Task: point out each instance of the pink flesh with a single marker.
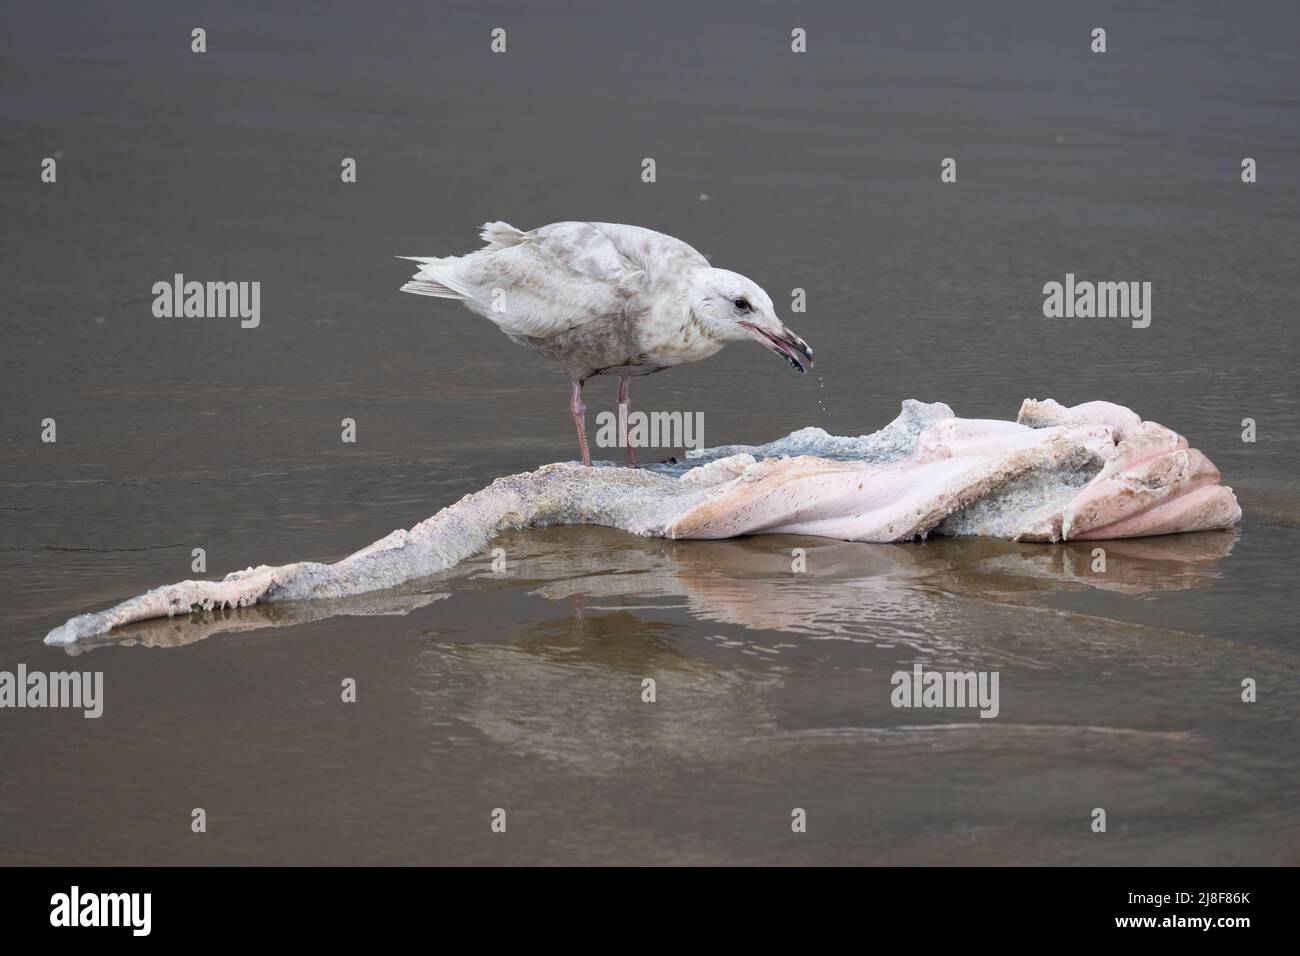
(1151, 483)
(1210, 506)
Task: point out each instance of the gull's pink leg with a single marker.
(579, 413)
(624, 408)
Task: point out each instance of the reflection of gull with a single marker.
(556, 688)
(925, 473)
(570, 693)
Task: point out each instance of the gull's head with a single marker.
(733, 308)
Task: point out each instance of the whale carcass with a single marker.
(1091, 471)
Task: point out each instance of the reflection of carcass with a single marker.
(179, 631)
(844, 586)
(1089, 472)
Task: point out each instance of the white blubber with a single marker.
(1093, 471)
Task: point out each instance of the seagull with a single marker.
(601, 298)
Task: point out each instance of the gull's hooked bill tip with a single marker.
(789, 346)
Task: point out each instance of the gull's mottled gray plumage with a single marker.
(600, 298)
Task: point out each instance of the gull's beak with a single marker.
(785, 344)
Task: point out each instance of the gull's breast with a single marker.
(679, 338)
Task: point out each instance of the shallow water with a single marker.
(522, 690)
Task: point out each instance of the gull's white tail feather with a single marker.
(500, 234)
(436, 278)
(421, 286)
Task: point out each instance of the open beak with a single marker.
(787, 345)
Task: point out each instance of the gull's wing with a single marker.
(555, 278)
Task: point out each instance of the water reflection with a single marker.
(876, 592)
(179, 631)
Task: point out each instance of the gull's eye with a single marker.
(742, 304)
